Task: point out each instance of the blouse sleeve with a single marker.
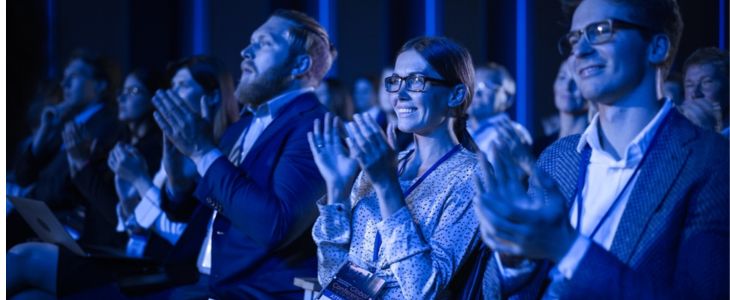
(423, 268)
(331, 233)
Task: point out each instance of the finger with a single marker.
(509, 166)
(392, 137)
(502, 227)
(355, 151)
(360, 134)
(489, 183)
(312, 145)
(378, 135)
(317, 133)
(179, 105)
(354, 140)
(327, 134)
(164, 125)
(500, 175)
(166, 109)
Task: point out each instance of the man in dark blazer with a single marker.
(634, 208)
(88, 90)
(261, 181)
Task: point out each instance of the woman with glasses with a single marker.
(407, 218)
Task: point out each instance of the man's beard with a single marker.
(264, 87)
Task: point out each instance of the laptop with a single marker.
(45, 224)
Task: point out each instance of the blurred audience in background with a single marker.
(706, 89)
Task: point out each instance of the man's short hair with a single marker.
(310, 37)
(103, 69)
(662, 16)
(709, 56)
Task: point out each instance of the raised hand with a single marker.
(190, 134)
(371, 149)
(78, 144)
(513, 222)
(333, 161)
(517, 145)
(703, 112)
(378, 159)
(127, 163)
(180, 170)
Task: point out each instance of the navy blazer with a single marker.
(672, 240)
(266, 207)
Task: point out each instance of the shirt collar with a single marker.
(638, 145)
(87, 113)
(274, 105)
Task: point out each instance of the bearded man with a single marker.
(261, 182)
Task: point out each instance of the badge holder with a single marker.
(353, 283)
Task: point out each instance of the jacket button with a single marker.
(218, 232)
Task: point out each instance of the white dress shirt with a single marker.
(262, 118)
(148, 214)
(605, 178)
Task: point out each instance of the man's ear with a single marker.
(659, 48)
(458, 95)
(302, 63)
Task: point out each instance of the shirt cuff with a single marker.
(333, 224)
(148, 209)
(569, 263)
(202, 163)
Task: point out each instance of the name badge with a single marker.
(353, 283)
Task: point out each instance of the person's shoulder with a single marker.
(563, 146)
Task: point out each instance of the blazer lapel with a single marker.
(662, 166)
(296, 107)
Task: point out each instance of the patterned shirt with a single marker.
(423, 244)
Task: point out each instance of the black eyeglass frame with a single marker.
(426, 79)
(565, 48)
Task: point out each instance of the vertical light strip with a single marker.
(722, 40)
(524, 82)
(200, 27)
(50, 38)
(432, 27)
(327, 19)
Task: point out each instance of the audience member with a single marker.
(706, 89)
(262, 182)
(407, 217)
(89, 84)
(639, 201)
(573, 115)
(493, 96)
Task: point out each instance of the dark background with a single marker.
(521, 34)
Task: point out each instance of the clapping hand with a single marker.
(126, 162)
(333, 161)
(189, 132)
(703, 112)
(78, 144)
(369, 146)
(513, 222)
(377, 158)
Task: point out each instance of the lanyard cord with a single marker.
(378, 239)
(585, 161)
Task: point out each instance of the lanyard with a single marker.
(378, 239)
(585, 161)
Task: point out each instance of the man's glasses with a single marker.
(595, 33)
(414, 82)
